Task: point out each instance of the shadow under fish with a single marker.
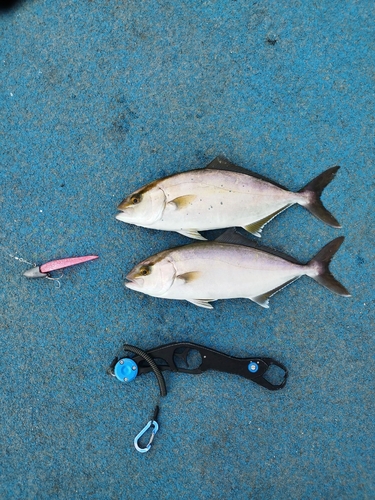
(9, 5)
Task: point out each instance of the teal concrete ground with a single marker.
(98, 98)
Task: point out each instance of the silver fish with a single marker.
(219, 196)
(228, 268)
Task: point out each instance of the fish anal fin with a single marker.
(192, 233)
(221, 163)
(182, 201)
(263, 299)
(255, 228)
(205, 303)
(189, 277)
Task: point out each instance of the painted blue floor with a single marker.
(98, 98)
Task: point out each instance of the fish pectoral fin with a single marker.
(192, 233)
(205, 303)
(255, 228)
(182, 201)
(188, 277)
(263, 299)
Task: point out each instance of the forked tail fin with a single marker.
(320, 267)
(313, 191)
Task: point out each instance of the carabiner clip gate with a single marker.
(145, 429)
(138, 436)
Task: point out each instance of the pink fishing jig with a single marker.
(54, 265)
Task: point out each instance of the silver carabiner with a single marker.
(145, 429)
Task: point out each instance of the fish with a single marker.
(229, 267)
(221, 195)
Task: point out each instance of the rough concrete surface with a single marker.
(98, 98)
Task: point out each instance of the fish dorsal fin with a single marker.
(192, 233)
(263, 300)
(255, 228)
(232, 236)
(235, 238)
(221, 163)
(205, 303)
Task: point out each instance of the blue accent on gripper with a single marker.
(126, 370)
(252, 367)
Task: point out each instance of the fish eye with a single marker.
(145, 270)
(135, 199)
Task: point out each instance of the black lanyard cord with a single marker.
(151, 362)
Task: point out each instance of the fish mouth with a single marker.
(126, 209)
(125, 215)
(121, 216)
(134, 283)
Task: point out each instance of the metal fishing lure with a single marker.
(44, 270)
(166, 357)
